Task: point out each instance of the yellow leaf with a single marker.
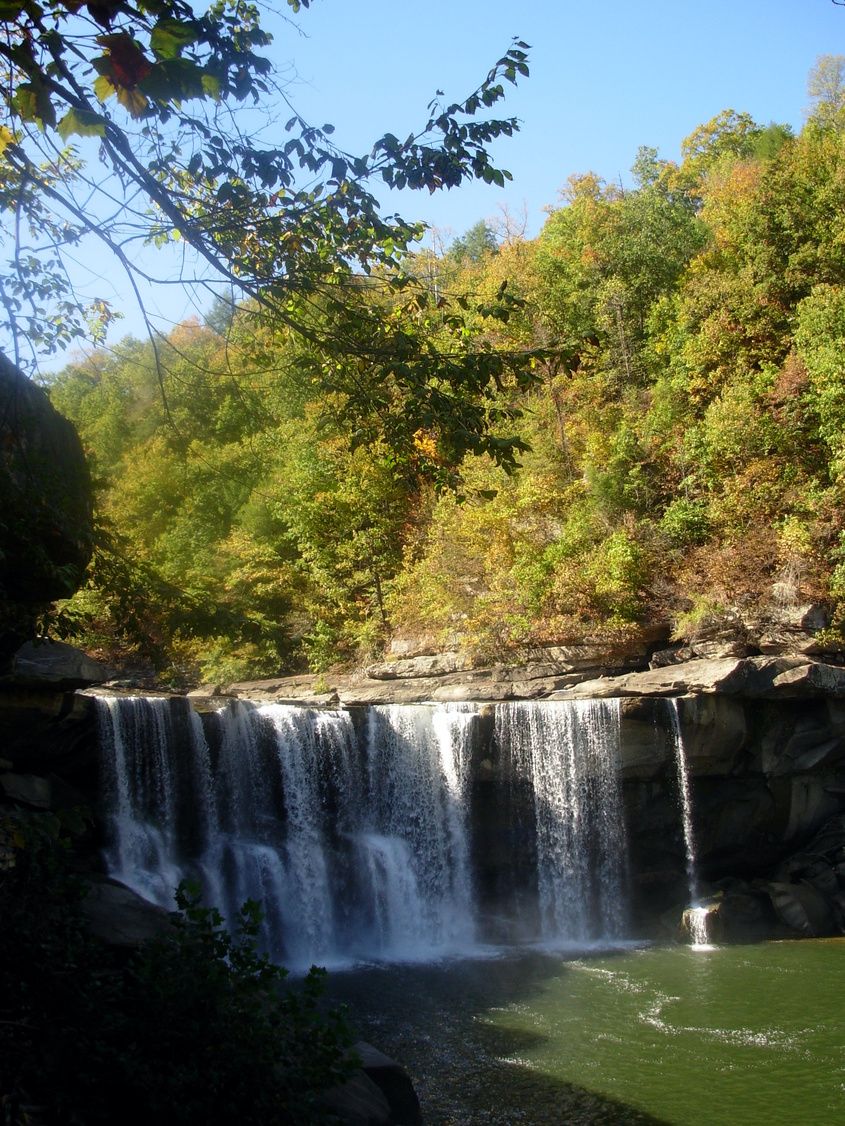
(6, 138)
(103, 87)
(133, 100)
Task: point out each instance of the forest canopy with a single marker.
(682, 452)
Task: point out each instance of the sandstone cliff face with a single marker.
(45, 507)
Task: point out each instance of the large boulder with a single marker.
(357, 1102)
(380, 1094)
(394, 1082)
(119, 917)
(791, 630)
(45, 507)
(803, 908)
(55, 665)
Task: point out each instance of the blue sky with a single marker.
(605, 78)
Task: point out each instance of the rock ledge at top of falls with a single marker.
(479, 685)
(784, 677)
(533, 674)
(750, 677)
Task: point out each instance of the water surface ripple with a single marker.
(730, 1036)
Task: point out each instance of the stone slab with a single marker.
(55, 665)
(119, 916)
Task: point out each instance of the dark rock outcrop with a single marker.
(393, 1081)
(119, 917)
(53, 665)
(45, 507)
(357, 1102)
(49, 733)
(380, 1094)
(38, 792)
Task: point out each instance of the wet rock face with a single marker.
(46, 506)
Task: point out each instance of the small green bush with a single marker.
(686, 521)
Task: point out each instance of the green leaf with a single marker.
(170, 37)
(33, 104)
(211, 86)
(83, 122)
(174, 80)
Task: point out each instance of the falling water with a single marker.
(696, 917)
(686, 800)
(285, 785)
(569, 750)
(148, 790)
(357, 840)
(416, 842)
(352, 849)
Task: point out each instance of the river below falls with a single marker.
(723, 1036)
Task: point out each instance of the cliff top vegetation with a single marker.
(681, 435)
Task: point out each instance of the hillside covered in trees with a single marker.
(680, 441)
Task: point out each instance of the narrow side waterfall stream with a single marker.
(356, 832)
(696, 916)
(686, 801)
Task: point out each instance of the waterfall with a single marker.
(696, 918)
(686, 800)
(418, 769)
(285, 785)
(155, 769)
(355, 832)
(569, 751)
(352, 849)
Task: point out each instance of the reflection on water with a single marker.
(731, 1036)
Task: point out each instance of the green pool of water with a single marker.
(731, 1036)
